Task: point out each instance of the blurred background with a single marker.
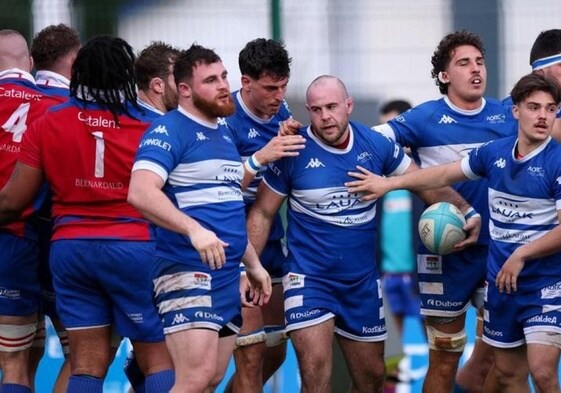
(381, 49)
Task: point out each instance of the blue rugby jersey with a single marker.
(202, 171)
(331, 232)
(438, 132)
(524, 196)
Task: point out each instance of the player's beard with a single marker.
(212, 108)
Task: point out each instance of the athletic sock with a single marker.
(84, 384)
(161, 381)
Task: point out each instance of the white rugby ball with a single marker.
(441, 227)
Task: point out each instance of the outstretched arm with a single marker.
(430, 184)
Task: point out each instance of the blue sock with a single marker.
(161, 381)
(84, 384)
(459, 389)
(14, 388)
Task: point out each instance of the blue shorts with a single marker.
(356, 305)
(103, 282)
(19, 287)
(401, 294)
(197, 299)
(272, 258)
(508, 318)
(447, 283)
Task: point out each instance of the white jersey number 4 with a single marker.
(17, 123)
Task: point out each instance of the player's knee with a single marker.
(449, 342)
(16, 338)
(256, 337)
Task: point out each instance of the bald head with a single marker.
(14, 52)
(326, 82)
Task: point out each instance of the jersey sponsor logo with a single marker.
(536, 171)
(222, 121)
(443, 303)
(492, 333)
(201, 280)
(400, 118)
(96, 121)
(445, 119)
(495, 119)
(500, 163)
(558, 180)
(208, 315)
(338, 200)
(509, 208)
(363, 157)
(543, 319)
(373, 329)
(253, 133)
(314, 163)
(430, 264)
(305, 314)
(227, 138)
(293, 280)
(17, 93)
(202, 137)
(179, 318)
(155, 142)
(161, 129)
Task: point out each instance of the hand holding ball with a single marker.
(441, 227)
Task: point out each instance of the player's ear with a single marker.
(157, 84)
(443, 77)
(516, 112)
(246, 82)
(184, 90)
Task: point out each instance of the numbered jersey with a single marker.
(20, 104)
(87, 157)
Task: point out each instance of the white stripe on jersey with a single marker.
(190, 174)
(516, 209)
(386, 130)
(443, 154)
(184, 302)
(517, 236)
(152, 167)
(205, 196)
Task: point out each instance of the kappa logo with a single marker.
(558, 180)
(202, 137)
(253, 133)
(500, 163)
(161, 129)
(445, 119)
(314, 163)
(179, 318)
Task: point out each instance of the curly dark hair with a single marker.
(445, 51)
(262, 57)
(548, 43)
(53, 43)
(154, 61)
(104, 73)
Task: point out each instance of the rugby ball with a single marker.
(441, 227)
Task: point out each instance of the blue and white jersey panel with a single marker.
(331, 232)
(202, 171)
(438, 132)
(250, 135)
(524, 197)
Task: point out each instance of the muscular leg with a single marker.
(511, 371)
(543, 361)
(14, 361)
(365, 361)
(477, 370)
(195, 355)
(313, 346)
(273, 315)
(249, 357)
(444, 356)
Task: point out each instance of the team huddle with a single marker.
(140, 198)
